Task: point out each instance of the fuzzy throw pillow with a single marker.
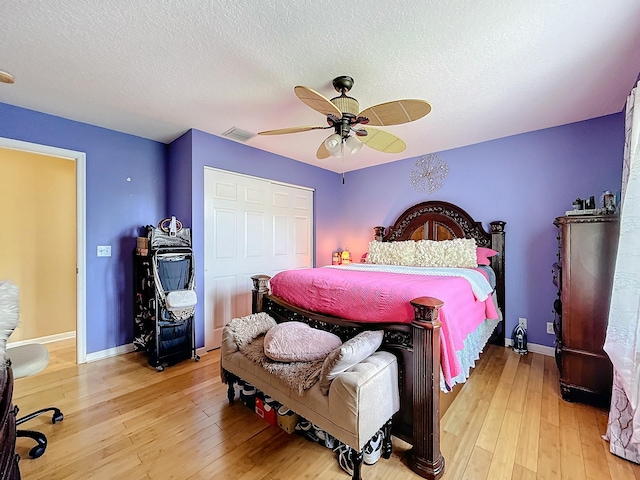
(298, 342)
(244, 329)
(9, 314)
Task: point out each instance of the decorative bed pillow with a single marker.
(483, 255)
(392, 253)
(459, 252)
(350, 353)
(428, 254)
(298, 342)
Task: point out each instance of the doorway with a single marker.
(45, 158)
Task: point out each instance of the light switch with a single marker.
(104, 250)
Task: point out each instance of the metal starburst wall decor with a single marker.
(429, 173)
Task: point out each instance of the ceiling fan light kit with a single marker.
(333, 143)
(353, 144)
(343, 115)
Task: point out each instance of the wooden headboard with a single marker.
(436, 220)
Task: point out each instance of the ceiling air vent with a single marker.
(238, 134)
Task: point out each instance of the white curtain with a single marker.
(622, 343)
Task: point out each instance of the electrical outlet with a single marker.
(523, 321)
(550, 328)
(104, 251)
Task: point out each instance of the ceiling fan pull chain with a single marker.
(342, 151)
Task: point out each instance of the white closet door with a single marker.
(252, 226)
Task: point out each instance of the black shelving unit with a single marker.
(165, 339)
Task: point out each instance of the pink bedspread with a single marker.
(384, 297)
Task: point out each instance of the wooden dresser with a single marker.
(587, 248)
(8, 458)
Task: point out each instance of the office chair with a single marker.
(24, 360)
(28, 360)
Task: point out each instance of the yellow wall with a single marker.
(38, 240)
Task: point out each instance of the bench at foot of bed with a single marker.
(360, 401)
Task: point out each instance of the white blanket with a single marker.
(479, 283)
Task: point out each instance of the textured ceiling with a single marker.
(155, 68)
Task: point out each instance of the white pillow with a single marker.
(350, 353)
(459, 252)
(392, 253)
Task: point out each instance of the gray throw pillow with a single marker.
(350, 353)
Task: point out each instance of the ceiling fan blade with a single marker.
(317, 101)
(396, 112)
(282, 131)
(322, 152)
(382, 141)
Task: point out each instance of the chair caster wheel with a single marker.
(57, 418)
(160, 368)
(36, 451)
(197, 358)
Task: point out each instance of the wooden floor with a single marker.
(124, 420)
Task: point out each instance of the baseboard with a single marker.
(47, 339)
(122, 349)
(91, 357)
(201, 351)
(534, 348)
(110, 352)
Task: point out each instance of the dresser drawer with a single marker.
(584, 377)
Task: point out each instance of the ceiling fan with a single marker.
(343, 116)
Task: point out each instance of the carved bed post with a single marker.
(497, 263)
(425, 457)
(260, 289)
(379, 233)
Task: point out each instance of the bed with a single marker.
(415, 341)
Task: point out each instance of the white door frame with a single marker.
(81, 234)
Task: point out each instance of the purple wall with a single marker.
(526, 180)
(212, 151)
(179, 178)
(115, 209)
